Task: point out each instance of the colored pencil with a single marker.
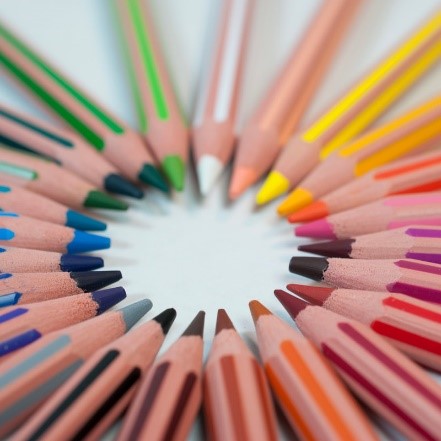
(21, 131)
(386, 380)
(357, 108)
(49, 179)
(412, 326)
(414, 278)
(237, 401)
(159, 114)
(102, 130)
(213, 133)
(26, 232)
(410, 133)
(19, 200)
(23, 288)
(170, 395)
(415, 242)
(33, 374)
(385, 214)
(104, 385)
(419, 173)
(23, 325)
(289, 96)
(23, 260)
(316, 404)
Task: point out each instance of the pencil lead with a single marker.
(196, 327)
(80, 221)
(132, 313)
(257, 310)
(83, 242)
(334, 248)
(115, 183)
(90, 281)
(223, 321)
(209, 169)
(150, 175)
(73, 262)
(314, 211)
(166, 319)
(107, 298)
(297, 199)
(174, 168)
(311, 267)
(242, 179)
(320, 228)
(313, 294)
(292, 304)
(275, 185)
(98, 199)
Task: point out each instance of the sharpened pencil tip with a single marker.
(196, 327)
(257, 310)
(223, 321)
(166, 319)
(98, 199)
(274, 185)
(334, 248)
(107, 298)
(150, 175)
(297, 199)
(209, 169)
(174, 168)
(242, 179)
(80, 221)
(83, 242)
(311, 267)
(115, 183)
(291, 303)
(313, 294)
(314, 211)
(133, 313)
(90, 281)
(74, 262)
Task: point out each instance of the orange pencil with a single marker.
(169, 396)
(316, 404)
(290, 94)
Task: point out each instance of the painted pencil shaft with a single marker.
(289, 96)
(33, 374)
(359, 107)
(51, 180)
(213, 133)
(97, 126)
(159, 114)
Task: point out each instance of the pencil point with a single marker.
(319, 228)
(150, 175)
(292, 304)
(274, 185)
(107, 298)
(98, 199)
(166, 319)
(174, 168)
(311, 267)
(73, 262)
(131, 314)
(80, 221)
(90, 281)
(316, 210)
(83, 242)
(223, 321)
(334, 248)
(257, 310)
(115, 183)
(241, 180)
(196, 327)
(209, 169)
(313, 294)
(297, 199)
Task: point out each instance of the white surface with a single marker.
(188, 252)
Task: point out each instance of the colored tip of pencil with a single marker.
(316, 210)
(334, 248)
(107, 298)
(98, 199)
(209, 169)
(292, 304)
(81, 222)
(166, 319)
(150, 175)
(73, 262)
(274, 185)
(314, 294)
(90, 281)
(319, 228)
(174, 168)
(9, 299)
(296, 200)
(311, 267)
(196, 327)
(257, 310)
(131, 314)
(83, 242)
(241, 180)
(117, 184)
(223, 321)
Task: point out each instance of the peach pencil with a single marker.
(32, 375)
(169, 396)
(383, 378)
(312, 397)
(19, 200)
(418, 242)
(413, 132)
(25, 232)
(23, 288)
(412, 326)
(49, 179)
(23, 260)
(414, 278)
(359, 107)
(237, 400)
(103, 131)
(160, 117)
(385, 214)
(419, 173)
(23, 325)
(213, 132)
(104, 385)
(289, 96)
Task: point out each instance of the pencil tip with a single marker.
(257, 310)
(90, 281)
(166, 319)
(83, 242)
(80, 221)
(74, 262)
(132, 313)
(223, 321)
(115, 183)
(313, 294)
(196, 327)
(314, 211)
(311, 267)
(319, 228)
(98, 199)
(292, 304)
(150, 175)
(242, 179)
(297, 199)
(333, 248)
(209, 169)
(107, 298)
(174, 168)
(274, 185)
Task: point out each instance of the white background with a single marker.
(184, 251)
